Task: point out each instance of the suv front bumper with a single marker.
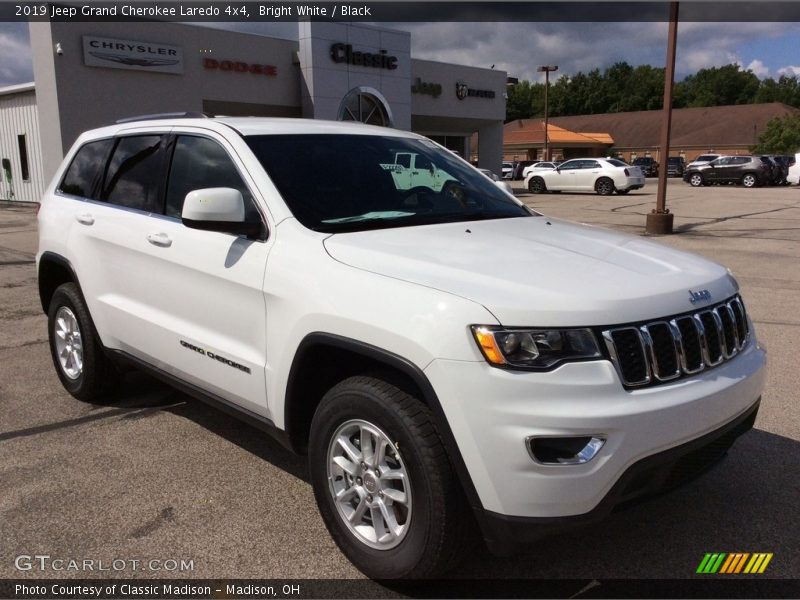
(492, 412)
(655, 474)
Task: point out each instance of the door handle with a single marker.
(159, 239)
(85, 219)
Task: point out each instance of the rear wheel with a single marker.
(536, 185)
(696, 180)
(84, 370)
(383, 482)
(604, 186)
(749, 180)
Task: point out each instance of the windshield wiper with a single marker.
(410, 220)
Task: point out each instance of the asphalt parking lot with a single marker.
(156, 475)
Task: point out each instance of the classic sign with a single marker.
(344, 53)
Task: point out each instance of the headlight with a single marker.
(534, 348)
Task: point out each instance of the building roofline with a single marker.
(674, 110)
(18, 88)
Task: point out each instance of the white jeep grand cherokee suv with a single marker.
(444, 357)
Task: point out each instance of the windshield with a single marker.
(615, 162)
(338, 183)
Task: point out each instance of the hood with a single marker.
(537, 271)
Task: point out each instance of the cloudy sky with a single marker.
(768, 49)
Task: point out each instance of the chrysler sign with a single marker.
(135, 55)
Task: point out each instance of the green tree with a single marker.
(519, 101)
(525, 100)
(786, 90)
(622, 88)
(781, 136)
(720, 86)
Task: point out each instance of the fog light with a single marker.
(564, 450)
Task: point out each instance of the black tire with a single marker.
(97, 376)
(749, 180)
(696, 180)
(604, 186)
(622, 192)
(536, 185)
(438, 526)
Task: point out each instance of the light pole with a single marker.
(546, 69)
(660, 220)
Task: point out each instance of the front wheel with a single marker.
(383, 482)
(604, 186)
(749, 180)
(537, 186)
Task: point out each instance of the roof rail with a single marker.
(172, 115)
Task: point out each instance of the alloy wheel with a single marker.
(69, 344)
(369, 484)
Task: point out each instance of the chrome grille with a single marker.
(685, 344)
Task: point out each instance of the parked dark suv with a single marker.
(648, 165)
(781, 171)
(676, 165)
(750, 171)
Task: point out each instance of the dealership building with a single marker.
(87, 75)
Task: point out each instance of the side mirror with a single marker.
(218, 209)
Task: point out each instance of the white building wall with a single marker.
(18, 117)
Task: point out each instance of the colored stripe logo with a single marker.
(734, 563)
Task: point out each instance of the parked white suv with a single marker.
(444, 357)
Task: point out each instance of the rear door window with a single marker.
(86, 168)
(135, 173)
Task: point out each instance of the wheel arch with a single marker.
(54, 270)
(605, 177)
(344, 357)
(534, 177)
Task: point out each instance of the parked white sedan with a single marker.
(539, 166)
(602, 175)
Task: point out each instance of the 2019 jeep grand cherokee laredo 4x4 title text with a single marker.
(439, 353)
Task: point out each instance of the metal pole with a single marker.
(546, 140)
(660, 220)
(546, 69)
